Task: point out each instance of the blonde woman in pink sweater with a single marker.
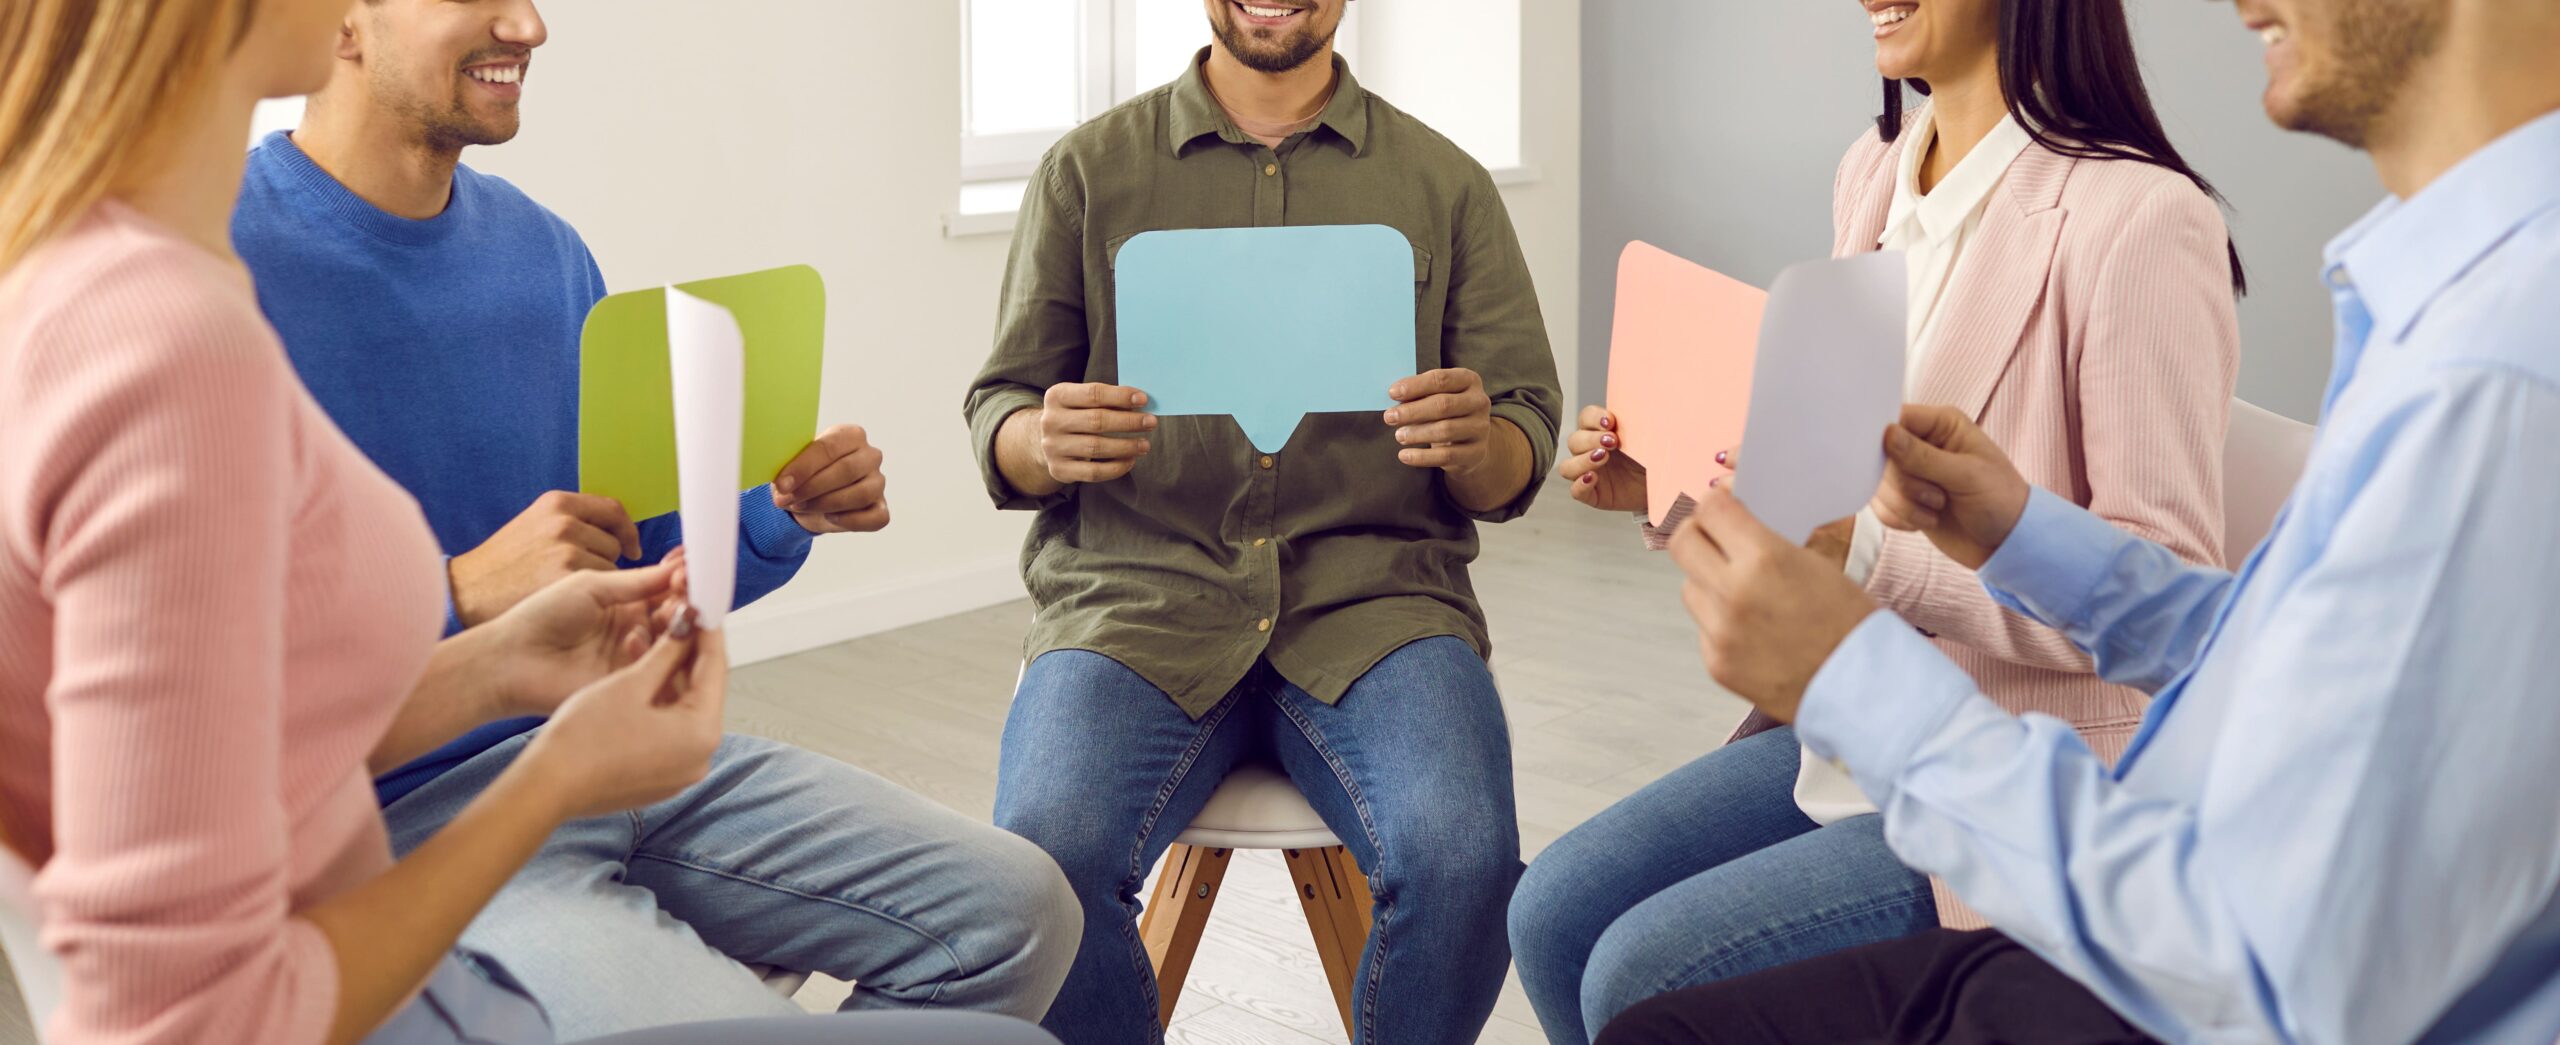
(217, 618)
(2073, 288)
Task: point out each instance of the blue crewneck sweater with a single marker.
(447, 349)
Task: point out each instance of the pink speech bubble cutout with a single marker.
(1680, 358)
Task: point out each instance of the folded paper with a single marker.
(706, 364)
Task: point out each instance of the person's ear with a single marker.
(350, 45)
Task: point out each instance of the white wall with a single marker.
(688, 140)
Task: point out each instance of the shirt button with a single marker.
(1260, 541)
(1262, 625)
(1270, 169)
(1266, 462)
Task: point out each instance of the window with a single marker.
(1033, 69)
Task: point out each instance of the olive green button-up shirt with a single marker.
(1330, 554)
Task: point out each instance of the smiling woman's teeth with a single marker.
(1268, 12)
(2273, 35)
(1889, 15)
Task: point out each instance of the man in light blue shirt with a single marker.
(2341, 821)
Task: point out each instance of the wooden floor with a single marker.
(1599, 673)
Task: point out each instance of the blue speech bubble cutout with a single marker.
(1266, 324)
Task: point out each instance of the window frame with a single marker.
(1107, 74)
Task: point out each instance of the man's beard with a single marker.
(2374, 46)
(1300, 48)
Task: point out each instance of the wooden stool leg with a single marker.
(1175, 916)
(1336, 899)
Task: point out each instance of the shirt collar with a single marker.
(2404, 253)
(1943, 211)
(1196, 113)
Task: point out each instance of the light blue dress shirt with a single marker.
(2341, 819)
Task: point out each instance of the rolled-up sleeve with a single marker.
(1041, 337)
(1493, 327)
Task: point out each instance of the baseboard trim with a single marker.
(769, 630)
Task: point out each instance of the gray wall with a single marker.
(1712, 129)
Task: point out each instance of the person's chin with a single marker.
(2285, 109)
(494, 132)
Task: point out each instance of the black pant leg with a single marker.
(1955, 988)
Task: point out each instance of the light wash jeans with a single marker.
(1706, 874)
(471, 1000)
(1412, 770)
(779, 857)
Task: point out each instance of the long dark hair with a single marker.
(2073, 83)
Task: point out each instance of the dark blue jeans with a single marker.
(1708, 873)
(1412, 770)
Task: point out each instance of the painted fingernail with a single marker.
(683, 626)
(1599, 455)
(1587, 479)
(1609, 423)
(1722, 454)
(1609, 441)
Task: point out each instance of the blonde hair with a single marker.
(86, 88)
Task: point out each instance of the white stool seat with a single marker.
(1257, 807)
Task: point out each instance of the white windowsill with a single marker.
(997, 220)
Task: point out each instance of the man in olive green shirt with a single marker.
(1202, 604)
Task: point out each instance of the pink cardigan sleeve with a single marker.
(163, 499)
(2157, 348)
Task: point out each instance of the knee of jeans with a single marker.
(1037, 897)
(1550, 920)
(1468, 871)
(1619, 977)
(1036, 920)
(1094, 861)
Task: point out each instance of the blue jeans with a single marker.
(471, 999)
(780, 857)
(1412, 770)
(1706, 874)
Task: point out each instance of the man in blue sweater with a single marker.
(435, 312)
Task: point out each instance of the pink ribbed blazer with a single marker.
(2091, 330)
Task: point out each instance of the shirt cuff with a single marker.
(1542, 456)
(1866, 544)
(2053, 561)
(452, 616)
(986, 421)
(771, 532)
(1882, 693)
